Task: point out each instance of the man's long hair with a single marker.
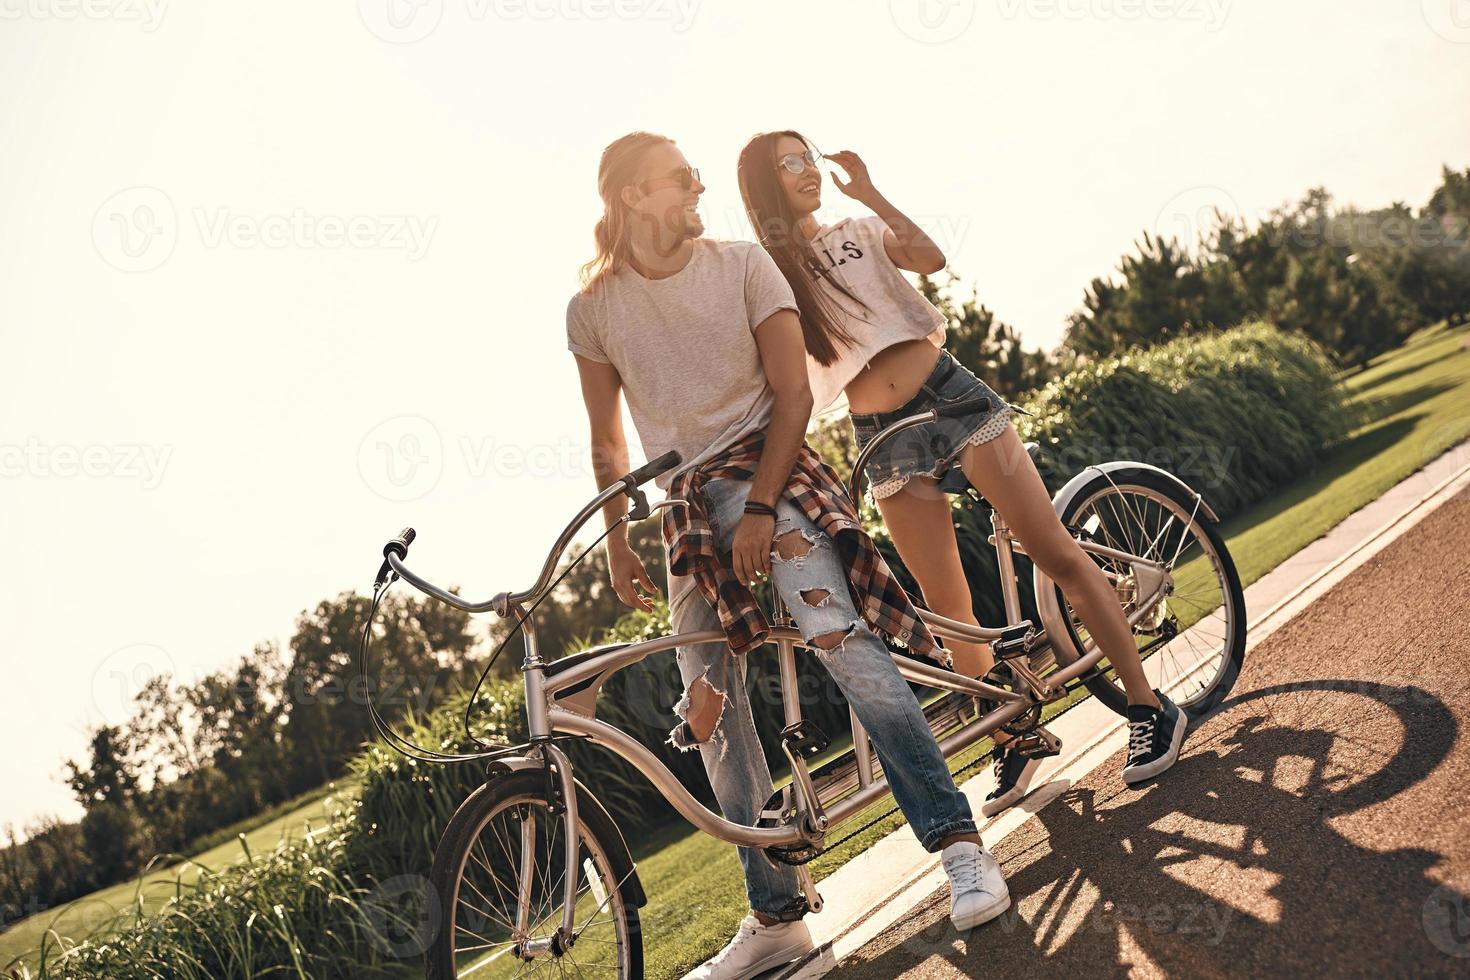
(774, 223)
(618, 169)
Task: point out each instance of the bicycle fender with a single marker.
(1074, 486)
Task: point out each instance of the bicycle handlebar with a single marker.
(653, 468)
(399, 545)
(396, 550)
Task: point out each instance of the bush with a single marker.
(1236, 415)
(113, 839)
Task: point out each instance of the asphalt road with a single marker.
(1316, 824)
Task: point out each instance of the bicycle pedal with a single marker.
(805, 739)
(1040, 744)
(1012, 641)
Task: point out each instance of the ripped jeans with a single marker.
(813, 585)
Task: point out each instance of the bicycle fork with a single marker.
(796, 743)
(561, 796)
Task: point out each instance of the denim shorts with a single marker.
(916, 451)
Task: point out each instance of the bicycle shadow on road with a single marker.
(1255, 854)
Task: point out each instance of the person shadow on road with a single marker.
(1287, 842)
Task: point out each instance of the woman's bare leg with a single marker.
(922, 525)
(1006, 476)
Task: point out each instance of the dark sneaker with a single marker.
(1154, 737)
(1013, 774)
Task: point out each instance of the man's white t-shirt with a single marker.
(685, 347)
(852, 252)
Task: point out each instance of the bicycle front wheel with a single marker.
(506, 847)
(1192, 639)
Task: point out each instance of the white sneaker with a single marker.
(755, 949)
(977, 889)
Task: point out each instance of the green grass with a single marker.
(1414, 404)
(79, 918)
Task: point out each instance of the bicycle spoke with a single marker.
(519, 854)
(1152, 525)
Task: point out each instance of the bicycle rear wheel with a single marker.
(1193, 638)
(506, 841)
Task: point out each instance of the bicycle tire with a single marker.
(1068, 648)
(601, 842)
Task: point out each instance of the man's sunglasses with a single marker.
(684, 177)
(797, 163)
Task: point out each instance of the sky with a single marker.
(280, 278)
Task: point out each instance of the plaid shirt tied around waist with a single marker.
(815, 488)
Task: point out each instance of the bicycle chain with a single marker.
(884, 816)
(954, 773)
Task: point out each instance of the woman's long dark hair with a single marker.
(774, 223)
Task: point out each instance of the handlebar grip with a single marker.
(963, 408)
(653, 468)
(399, 545)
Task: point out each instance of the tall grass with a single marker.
(294, 912)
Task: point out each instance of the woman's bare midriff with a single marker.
(892, 377)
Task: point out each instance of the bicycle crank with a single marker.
(1001, 675)
(1038, 744)
(781, 811)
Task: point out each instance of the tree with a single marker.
(113, 840)
(982, 343)
(418, 646)
(111, 776)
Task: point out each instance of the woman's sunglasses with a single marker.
(797, 163)
(684, 177)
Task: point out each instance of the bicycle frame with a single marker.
(561, 696)
(566, 703)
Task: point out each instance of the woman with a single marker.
(869, 333)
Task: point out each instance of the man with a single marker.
(704, 338)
